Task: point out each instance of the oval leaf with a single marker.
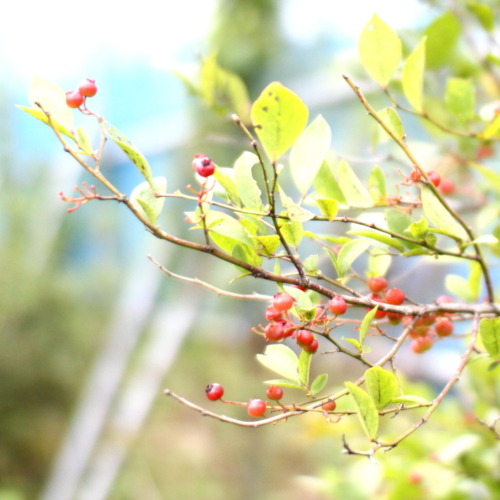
(382, 386)
(412, 76)
(146, 202)
(281, 359)
(367, 412)
(489, 330)
(248, 189)
(355, 193)
(279, 116)
(348, 254)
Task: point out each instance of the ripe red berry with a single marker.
(256, 407)
(421, 344)
(394, 318)
(214, 391)
(329, 406)
(447, 186)
(274, 331)
(282, 302)
(74, 99)
(434, 177)
(304, 337)
(377, 283)
(395, 296)
(203, 165)
(379, 314)
(312, 347)
(425, 320)
(337, 305)
(274, 392)
(443, 327)
(272, 314)
(87, 88)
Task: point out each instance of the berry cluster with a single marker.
(446, 186)
(76, 97)
(394, 296)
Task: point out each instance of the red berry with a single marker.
(395, 296)
(447, 186)
(337, 305)
(282, 302)
(443, 327)
(74, 99)
(379, 314)
(87, 88)
(312, 347)
(256, 407)
(272, 314)
(484, 151)
(394, 318)
(421, 344)
(377, 283)
(329, 406)
(418, 332)
(274, 331)
(274, 392)
(203, 165)
(434, 177)
(425, 320)
(214, 391)
(304, 337)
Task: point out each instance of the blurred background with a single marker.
(90, 331)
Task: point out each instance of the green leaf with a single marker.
(144, 200)
(365, 324)
(326, 185)
(418, 229)
(439, 215)
(380, 50)
(302, 299)
(382, 386)
(279, 116)
(355, 193)
(281, 359)
(460, 98)
(484, 14)
(398, 222)
(268, 244)
(292, 232)
(226, 231)
(133, 154)
(492, 129)
(458, 286)
(304, 367)
(83, 141)
(53, 101)
(348, 254)
(409, 398)
(489, 331)
(329, 207)
(308, 153)
(248, 190)
(376, 185)
(492, 177)
(293, 210)
(474, 281)
(367, 411)
(319, 383)
(311, 263)
(226, 181)
(245, 253)
(383, 238)
(442, 36)
(393, 122)
(354, 343)
(379, 262)
(284, 383)
(412, 76)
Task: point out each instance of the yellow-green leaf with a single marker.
(412, 76)
(279, 116)
(355, 193)
(489, 331)
(382, 386)
(380, 50)
(366, 410)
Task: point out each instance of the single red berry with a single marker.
(415, 175)
(443, 327)
(447, 186)
(415, 478)
(87, 88)
(329, 406)
(337, 305)
(282, 302)
(421, 331)
(203, 165)
(214, 391)
(298, 287)
(288, 329)
(74, 99)
(274, 392)
(484, 151)
(434, 177)
(377, 283)
(304, 337)
(256, 407)
(394, 318)
(272, 314)
(274, 331)
(421, 344)
(425, 320)
(312, 347)
(379, 314)
(395, 296)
